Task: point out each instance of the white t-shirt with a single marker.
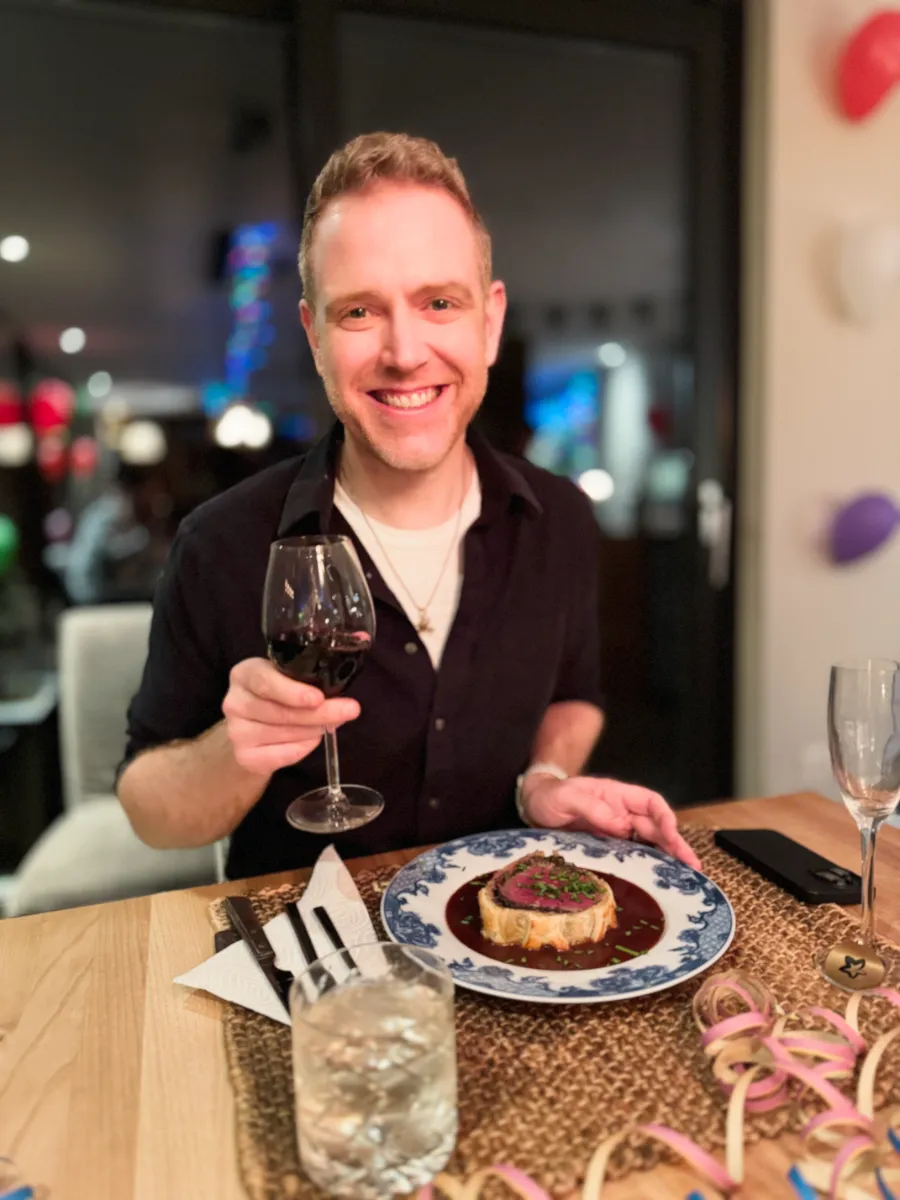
(414, 560)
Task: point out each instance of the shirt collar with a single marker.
(312, 492)
(503, 486)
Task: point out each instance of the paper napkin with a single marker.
(233, 974)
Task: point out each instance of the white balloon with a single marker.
(868, 270)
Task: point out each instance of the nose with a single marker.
(403, 349)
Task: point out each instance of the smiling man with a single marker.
(480, 702)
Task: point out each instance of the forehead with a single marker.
(393, 237)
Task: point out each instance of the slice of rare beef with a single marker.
(546, 883)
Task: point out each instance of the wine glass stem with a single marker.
(335, 795)
(868, 834)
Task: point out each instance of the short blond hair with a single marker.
(386, 157)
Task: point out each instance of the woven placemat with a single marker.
(541, 1085)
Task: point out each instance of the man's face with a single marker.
(402, 332)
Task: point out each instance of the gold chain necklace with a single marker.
(423, 625)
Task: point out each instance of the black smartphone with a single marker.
(781, 860)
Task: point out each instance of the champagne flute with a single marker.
(864, 740)
(319, 623)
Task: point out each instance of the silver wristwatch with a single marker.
(540, 768)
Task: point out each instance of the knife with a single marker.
(246, 922)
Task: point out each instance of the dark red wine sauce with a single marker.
(640, 926)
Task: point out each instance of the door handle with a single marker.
(714, 521)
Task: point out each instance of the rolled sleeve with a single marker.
(186, 675)
(579, 674)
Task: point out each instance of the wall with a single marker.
(821, 397)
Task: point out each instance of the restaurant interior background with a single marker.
(663, 181)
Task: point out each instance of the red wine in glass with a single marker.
(319, 624)
(329, 663)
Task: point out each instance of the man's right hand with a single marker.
(273, 721)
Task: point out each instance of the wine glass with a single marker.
(864, 740)
(319, 622)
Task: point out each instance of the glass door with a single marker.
(601, 146)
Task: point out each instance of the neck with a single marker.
(405, 499)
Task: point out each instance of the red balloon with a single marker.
(11, 408)
(869, 66)
(51, 457)
(52, 405)
(84, 456)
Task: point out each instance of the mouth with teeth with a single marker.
(408, 400)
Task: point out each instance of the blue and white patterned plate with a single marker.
(699, 920)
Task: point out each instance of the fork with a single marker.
(336, 940)
(306, 944)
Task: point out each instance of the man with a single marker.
(483, 569)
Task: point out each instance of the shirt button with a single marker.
(439, 724)
(411, 648)
(368, 574)
(434, 802)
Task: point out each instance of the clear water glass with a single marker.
(374, 1055)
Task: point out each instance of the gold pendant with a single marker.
(853, 967)
(424, 625)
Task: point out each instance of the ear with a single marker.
(494, 312)
(308, 321)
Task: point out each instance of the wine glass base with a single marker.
(318, 812)
(852, 967)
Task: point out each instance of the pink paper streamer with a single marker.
(787, 1058)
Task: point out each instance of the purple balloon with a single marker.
(862, 526)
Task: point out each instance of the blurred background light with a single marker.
(243, 426)
(16, 445)
(72, 341)
(597, 484)
(99, 384)
(14, 248)
(58, 525)
(611, 355)
(142, 444)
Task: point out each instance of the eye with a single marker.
(440, 304)
(357, 314)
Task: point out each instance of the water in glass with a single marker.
(375, 1083)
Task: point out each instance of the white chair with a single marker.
(90, 853)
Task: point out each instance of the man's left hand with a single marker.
(605, 806)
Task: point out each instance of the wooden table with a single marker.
(112, 1079)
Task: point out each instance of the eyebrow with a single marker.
(352, 298)
(450, 287)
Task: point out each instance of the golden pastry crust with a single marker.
(533, 926)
